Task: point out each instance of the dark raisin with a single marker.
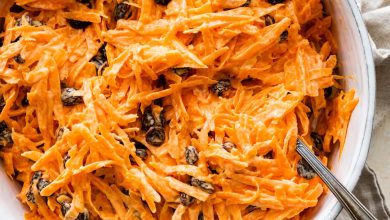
(83, 216)
(2, 103)
(16, 8)
(141, 153)
(269, 155)
(269, 20)
(162, 2)
(228, 146)
(19, 59)
(182, 71)
(221, 87)
(100, 58)
(191, 155)
(274, 2)
(5, 135)
(246, 4)
(211, 134)
(122, 11)
(66, 158)
(155, 136)
(163, 121)
(124, 190)
(317, 139)
(283, 36)
(25, 101)
(69, 98)
(1, 42)
(42, 183)
(78, 24)
(304, 170)
(30, 195)
(36, 176)
(65, 206)
(251, 208)
(60, 132)
(161, 81)
(147, 119)
(200, 216)
(328, 92)
(203, 185)
(185, 199)
(88, 3)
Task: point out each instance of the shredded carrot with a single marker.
(168, 109)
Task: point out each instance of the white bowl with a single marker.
(356, 62)
(355, 59)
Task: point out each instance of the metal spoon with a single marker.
(350, 203)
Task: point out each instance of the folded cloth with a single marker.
(369, 193)
(376, 15)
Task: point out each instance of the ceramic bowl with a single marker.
(355, 62)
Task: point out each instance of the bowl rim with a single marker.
(371, 85)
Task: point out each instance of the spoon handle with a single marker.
(354, 207)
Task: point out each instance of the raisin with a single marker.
(122, 11)
(228, 146)
(42, 183)
(65, 206)
(100, 58)
(251, 208)
(200, 216)
(147, 119)
(25, 101)
(246, 4)
(191, 155)
(161, 81)
(203, 185)
(88, 3)
(274, 2)
(60, 132)
(2, 103)
(304, 170)
(185, 199)
(16, 8)
(269, 155)
(69, 98)
(328, 92)
(283, 36)
(317, 139)
(5, 135)
(269, 20)
(155, 136)
(83, 216)
(78, 24)
(162, 2)
(182, 71)
(19, 59)
(221, 87)
(141, 153)
(30, 195)
(66, 158)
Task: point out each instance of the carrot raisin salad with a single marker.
(168, 109)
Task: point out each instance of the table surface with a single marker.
(379, 155)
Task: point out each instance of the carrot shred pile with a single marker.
(256, 76)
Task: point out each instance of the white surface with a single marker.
(354, 57)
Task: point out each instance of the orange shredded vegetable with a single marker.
(168, 109)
